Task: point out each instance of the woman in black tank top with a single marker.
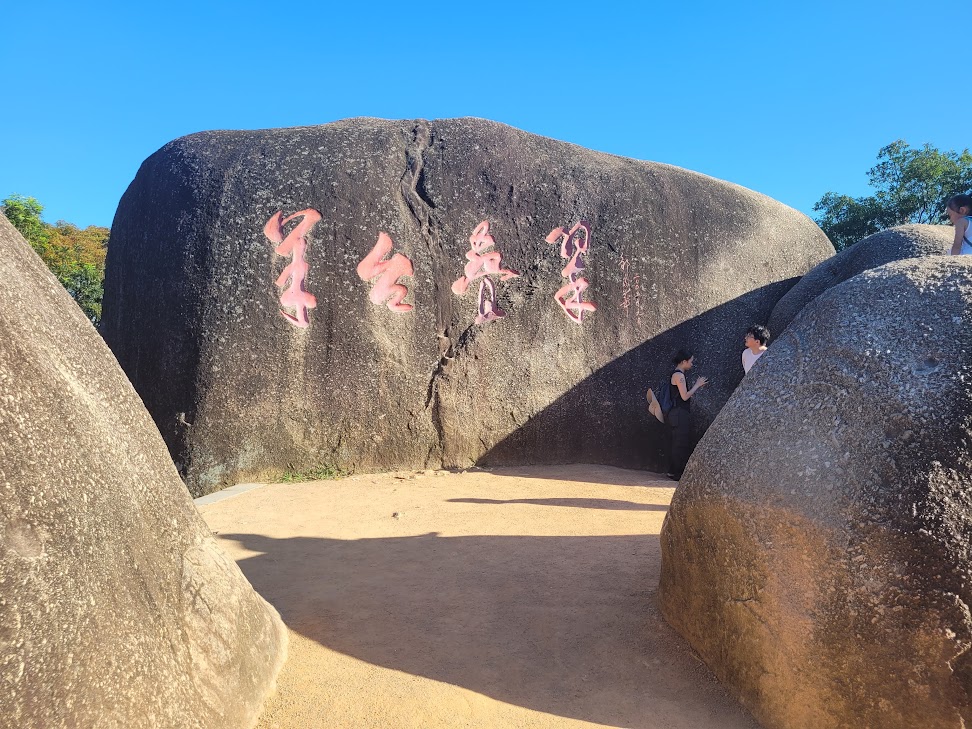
(680, 416)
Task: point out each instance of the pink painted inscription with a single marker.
(294, 296)
(483, 263)
(488, 310)
(573, 244)
(386, 290)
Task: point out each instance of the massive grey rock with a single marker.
(402, 363)
(117, 609)
(818, 552)
(893, 244)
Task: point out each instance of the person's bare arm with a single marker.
(678, 379)
(961, 228)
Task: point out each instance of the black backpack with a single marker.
(665, 396)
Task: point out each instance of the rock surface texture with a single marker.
(893, 244)
(116, 608)
(818, 552)
(390, 294)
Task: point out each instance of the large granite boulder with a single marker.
(382, 294)
(116, 609)
(893, 244)
(818, 552)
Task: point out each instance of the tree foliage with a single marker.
(75, 256)
(25, 214)
(911, 185)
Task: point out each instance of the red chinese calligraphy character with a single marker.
(387, 287)
(481, 263)
(488, 308)
(573, 244)
(294, 245)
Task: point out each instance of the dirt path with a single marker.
(510, 598)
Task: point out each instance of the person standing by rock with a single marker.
(680, 416)
(756, 339)
(958, 209)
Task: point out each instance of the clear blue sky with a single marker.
(791, 101)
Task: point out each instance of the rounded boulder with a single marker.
(893, 244)
(817, 551)
(117, 609)
(374, 294)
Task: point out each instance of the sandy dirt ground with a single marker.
(505, 598)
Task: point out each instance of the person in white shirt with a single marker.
(755, 340)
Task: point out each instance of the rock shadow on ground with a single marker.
(546, 617)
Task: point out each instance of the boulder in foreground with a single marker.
(818, 553)
(117, 608)
(893, 244)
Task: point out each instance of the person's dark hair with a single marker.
(681, 355)
(759, 333)
(959, 201)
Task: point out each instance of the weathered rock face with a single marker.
(818, 552)
(116, 607)
(893, 244)
(415, 238)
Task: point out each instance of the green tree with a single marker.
(86, 284)
(75, 256)
(25, 214)
(911, 185)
